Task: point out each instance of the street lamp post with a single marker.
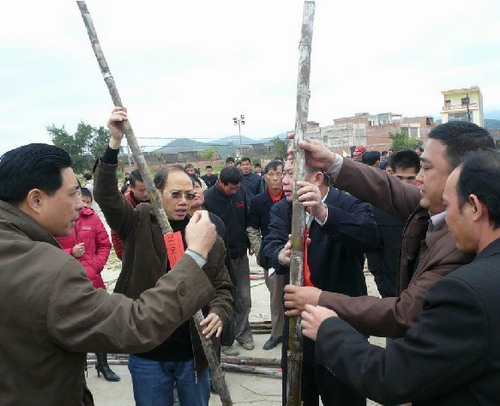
(239, 121)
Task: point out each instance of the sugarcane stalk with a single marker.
(255, 361)
(208, 348)
(272, 372)
(294, 353)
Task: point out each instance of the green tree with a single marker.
(401, 141)
(279, 148)
(84, 146)
(210, 153)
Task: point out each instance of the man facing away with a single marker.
(451, 357)
(257, 229)
(227, 201)
(51, 314)
(179, 359)
(427, 250)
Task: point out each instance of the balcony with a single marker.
(460, 107)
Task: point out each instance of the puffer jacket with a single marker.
(89, 230)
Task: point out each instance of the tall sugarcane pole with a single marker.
(294, 354)
(213, 362)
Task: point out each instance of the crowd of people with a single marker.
(426, 222)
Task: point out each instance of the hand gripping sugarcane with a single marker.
(294, 355)
(171, 239)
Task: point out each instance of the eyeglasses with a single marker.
(178, 195)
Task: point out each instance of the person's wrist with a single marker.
(200, 250)
(114, 143)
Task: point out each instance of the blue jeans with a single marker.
(153, 382)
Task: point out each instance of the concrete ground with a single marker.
(246, 389)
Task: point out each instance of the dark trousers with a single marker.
(317, 380)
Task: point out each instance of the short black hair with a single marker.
(384, 153)
(134, 177)
(480, 176)
(32, 166)
(229, 159)
(87, 175)
(230, 174)
(461, 137)
(370, 158)
(245, 158)
(208, 167)
(187, 166)
(86, 192)
(257, 165)
(161, 176)
(273, 165)
(405, 159)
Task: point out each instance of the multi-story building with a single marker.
(370, 130)
(463, 105)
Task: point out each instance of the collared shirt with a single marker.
(334, 170)
(275, 199)
(436, 222)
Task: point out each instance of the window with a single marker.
(458, 117)
(465, 101)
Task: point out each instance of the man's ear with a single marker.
(319, 178)
(34, 200)
(478, 208)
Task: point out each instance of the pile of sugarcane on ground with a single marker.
(250, 365)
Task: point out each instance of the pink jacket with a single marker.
(89, 230)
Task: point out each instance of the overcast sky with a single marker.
(185, 68)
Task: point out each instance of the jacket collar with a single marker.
(492, 249)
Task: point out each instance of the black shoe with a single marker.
(272, 342)
(103, 368)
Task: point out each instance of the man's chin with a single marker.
(424, 203)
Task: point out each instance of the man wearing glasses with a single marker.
(179, 359)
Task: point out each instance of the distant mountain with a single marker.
(492, 114)
(225, 145)
(185, 142)
(492, 124)
(235, 140)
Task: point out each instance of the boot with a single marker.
(103, 367)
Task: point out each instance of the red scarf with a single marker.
(307, 271)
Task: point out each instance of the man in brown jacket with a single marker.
(179, 359)
(428, 251)
(51, 315)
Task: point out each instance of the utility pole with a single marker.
(239, 121)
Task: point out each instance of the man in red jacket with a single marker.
(89, 243)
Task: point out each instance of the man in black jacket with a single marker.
(209, 178)
(227, 201)
(257, 229)
(341, 229)
(251, 181)
(451, 357)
